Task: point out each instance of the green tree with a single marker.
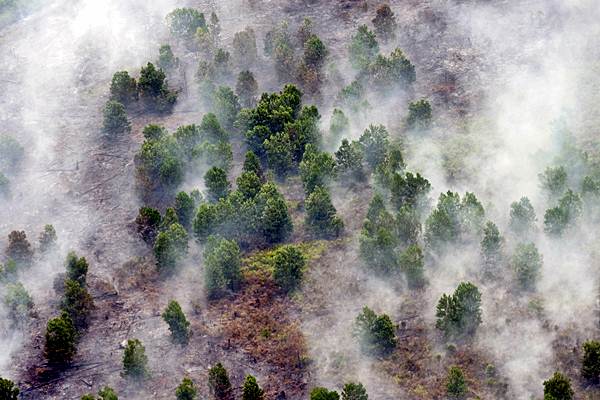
(61, 336)
(280, 156)
(522, 217)
(407, 225)
(316, 168)
(339, 124)
(170, 247)
(363, 48)
(154, 132)
(354, 391)
(526, 264)
(314, 52)
(11, 153)
(321, 393)
(244, 47)
(385, 23)
(590, 363)
(252, 164)
(19, 248)
(276, 221)
(491, 247)
(210, 129)
(251, 390)
(184, 22)
(559, 219)
(387, 73)
(456, 385)
(178, 324)
(408, 189)
(419, 115)
(77, 268)
(153, 87)
(222, 65)
(4, 186)
(166, 58)
(147, 223)
(248, 183)
(222, 266)
(411, 263)
(374, 141)
(554, 180)
(321, 216)
(348, 161)
(159, 165)
(459, 314)
(288, 265)
(558, 387)
(184, 207)
(218, 382)
(18, 302)
(78, 303)
(135, 361)
(375, 333)
(246, 88)
(107, 393)
(47, 238)
(123, 88)
(186, 390)
(226, 106)
(115, 118)
(216, 183)
(8, 390)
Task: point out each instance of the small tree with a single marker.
(491, 247)
(8, 390)
(522, 217)
(251, 390)
(559, 219)
(18, 302)
(374, 142)
(186, 390)
(115, 118)
(244, 47)
(526, 264)
(590, 364)
(222, 266)
(78, 303)
(321, 215)
(77, 268)
(314, 52)
(288, 263)
(170, 247)
(276, 221)
(321, 393)
(154, 132)
(459, 314)
(226, 106)
(419, 115)
(246, 88)
(107, 393)
(60, 346)
(216, 183)
(123, 88)
(153, 88)
(218, 382)
(184, 208)
(252, 164)
(178, 324)
(354, 391)
(19, 248)
(456, 385)
(147, 223)
(11, 153)
(248, 183)
(184, 22)
(363, 48)
(166, 58)
(339, 124)
(411, 263)
(554, 180)
(348, 161)
(558, 388)
(316, 168)
(385, 23)
(47, 238)
(374, 332)
(135, 362)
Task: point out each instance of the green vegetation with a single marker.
(363, 48)
(590, 363)
(246, 89)
(321, 393)
(526, 263)
(8, 390)
(123, 88)
(459, 314)
(244, 47)
(456, 386)
(419, 115)
(375, 333)
(170, 248)
(47, 238)
(184, 22)
(218, 382)
(186, 390)
(354, 391)
(18, 302)
(60, 345)
(166, 58)
(565, 216)
(321, 218)
(11, 153)
(135, 362)
(385, 23)
(522, 217)
(558, 387)
(251, 390)
(19, 249)
(288, 264)
(178, 324)
(222, 266)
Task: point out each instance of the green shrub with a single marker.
(184, 22)
(590, 364)
(135, 362)
(558, 387)
(115, 118)
(456, 386)
(218, 382)
(178, 324)
(321, 393)
(354, 391)
(170, 248)
(251, 390)
(459, 314)
(123, 88)
(61, 336)
(186, 390)
(8, 390)
(288, 264)
(222, 266)
(321, 216)
(375, 333)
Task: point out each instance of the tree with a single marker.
(218, 382)
(348, 161)
(590, 363)
(154, 132)
(222, 266)
(407, 225)
(375, 333)
(47, 238)
(77, 302)
(107, 393)
(354, 391)
(408, 189)
(456, 385)
(526, 263)
(352, 97)
(385, 23)
(559, 219)
(244, 47)
(178, 324)
(147, 224)
(411, 263)
(419, 115)
(135, 361)
(388, 73)
(77, 268)
(166, 58)
(491, 247)
(459, 314)
(321, 393)
(246, 88)
(316, 168)
(210, 129)
(288, 265)
(18, 302)
(226, 106)
(170, 247)
(152, 86)
(522, 217)
(184, 207)
(4, 186)
(304, 31)
(363, 48)
(251, 390)
(275, 219)
(554, 180)
(115, 118)
(216, 183)
(11, 153)
(314, 52)
(321, 215)
(339, 124)
(184, 22)
(222, 65)
(252, 164)
(374, 142)
(558, 387)
(123, 88)
(279, 149)
(248, 184)
(19, 248)
(8, 390)
(186, 390)
(60, 346)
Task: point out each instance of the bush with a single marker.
(78, 303)
(526, 264)
(288, 265)
(77, 268)
(218, 382)
(222, 266)
(135, 362)
(251, 390)
(522, 217)
(60, 346)
(459, 314)
(123, 88)
(184, 22)
(147, 224)
(354, 391)
(8, 390)
(170, 247)
(321, 216)
(47, 238)
(216, 183)
(321, 393)
(590, 364)
(18, 302)
(456, 386)
(385, 23)
(178, 324)
(115, 118)
(558, 388)
(186, 390)
(107, 393)
(374, 332)
(363, 48)
(314, 52)
(419, 115)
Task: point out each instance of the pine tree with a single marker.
(178, 324)
(186, 390)
(135, 362)
(251, 390)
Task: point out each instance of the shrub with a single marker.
(316, 168)
(107, 393)
(456, 386)
(170, 247)
(288, 264)
(558, 387)
(590, 364)
(321, 216)
(321, 393)
(314, 52)
(8, 390)
(419, 115)
(348, 161)
(354, 391)
(186, 390)
(11, 153)
(135, 362)
(374, 332)
(115, 118)
(60, 345)
(184, 22)
(154, 132)
(459, 314)
(251, 390)
(226, 106)
(411, 263)
(363, 48)
(18, 302)
(222, 266)
(19, 248)
(178, 324)
(123, 88)
(47, 238)
(147, 224)
(166, 58)
(77, 268)
(78, 303)
(526, 263)
(218, 382)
